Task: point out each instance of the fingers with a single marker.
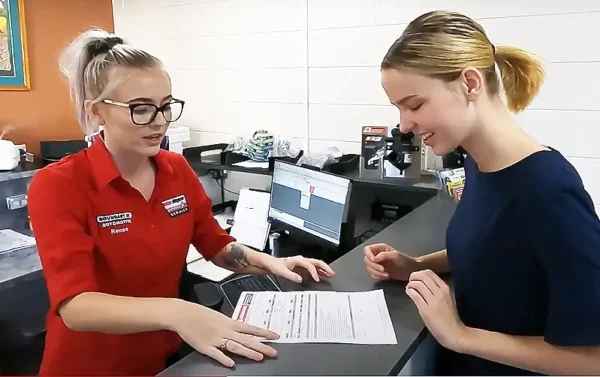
(308, 266)
(372, 250)
(219, 356)
(417, 298)
(421, 289)
(314, 267)
(289, 274)
(243, 328)
(436, 279)
(377, 275)
(234, 347)
(385, 255)
(254, 344)
(375, 266)
(325, 274)
(322, 267)
(376, 270)
(431, 280)
(369, 253)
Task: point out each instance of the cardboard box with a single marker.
(373, 149)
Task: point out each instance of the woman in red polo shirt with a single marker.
(113, 224)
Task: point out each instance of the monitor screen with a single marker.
(311, 201)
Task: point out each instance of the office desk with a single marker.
(22, 284)
(418, 233)
(425, 183)
(26, 170)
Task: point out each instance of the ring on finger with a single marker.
(223, 345)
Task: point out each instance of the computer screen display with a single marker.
(309, 200)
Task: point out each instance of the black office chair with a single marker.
(23, 327)
(25, 360)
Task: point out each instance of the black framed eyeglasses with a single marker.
(143, 114)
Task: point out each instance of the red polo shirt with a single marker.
(95, 233)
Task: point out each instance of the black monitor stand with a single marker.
(294, 242)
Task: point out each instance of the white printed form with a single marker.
(319, 317)
(305, 197)
(250, 221)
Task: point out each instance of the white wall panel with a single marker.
(262, 50)
(554, 38)
(236, 17)
(570, 86)
(365, 46)
(573, 133)
(350, 86)
(245, 117)
(240, 65)
(344, 122)
(348, 147)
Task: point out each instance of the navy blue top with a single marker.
(524, 253)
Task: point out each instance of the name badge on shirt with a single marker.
(114, 219)
(116, 222)
(176, 206)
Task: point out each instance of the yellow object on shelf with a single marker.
(3, 25)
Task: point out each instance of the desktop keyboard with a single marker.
(232, 289)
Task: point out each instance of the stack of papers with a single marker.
(319, 317)
(250, 221)
(253, 164)
(11, 241)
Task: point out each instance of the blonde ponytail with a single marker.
(522, 76)
(73, 63)
(441, 44)
(85, 63)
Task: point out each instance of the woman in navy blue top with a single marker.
(523, 246)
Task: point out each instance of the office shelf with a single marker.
(213, 157)
(212, 162)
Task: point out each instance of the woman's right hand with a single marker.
(207, 331)
(384, 262)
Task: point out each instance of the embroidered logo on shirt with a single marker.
(115, 219)
(176, 206)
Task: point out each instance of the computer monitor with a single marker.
(312, 202)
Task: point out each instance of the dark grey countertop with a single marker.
(418, 233)
(427, 181)
(23, 286)
(18, 264)
(22, 171)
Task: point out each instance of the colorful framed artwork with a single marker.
(14, 64)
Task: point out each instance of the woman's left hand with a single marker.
(432, 297)
(298, 268)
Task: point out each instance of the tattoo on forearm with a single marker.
(235, 256)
